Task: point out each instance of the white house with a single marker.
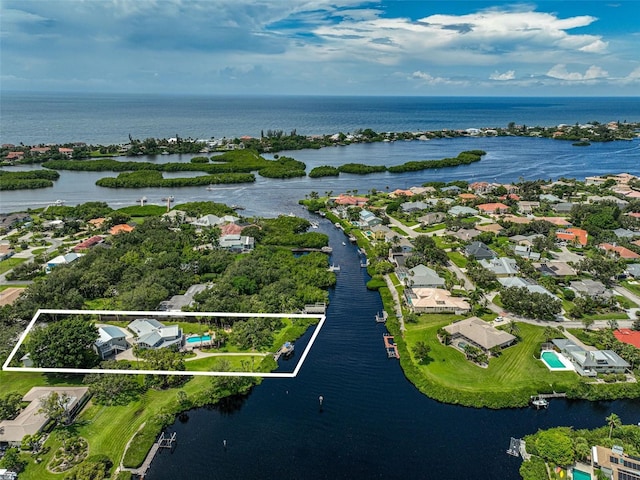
(111, 341)
(151, 333)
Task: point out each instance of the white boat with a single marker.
(334, 268)
(210, 187)
(343, 243)
(539, 402)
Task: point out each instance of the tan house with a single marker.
(479, 333)
(435, 300)
(614, 463)
(31, 421)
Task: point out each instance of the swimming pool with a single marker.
(198, 339)
(580, 475)
(554, 362)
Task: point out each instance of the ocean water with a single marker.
(33, 118)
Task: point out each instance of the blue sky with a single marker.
(324, 47)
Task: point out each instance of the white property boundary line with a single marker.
(7, 368)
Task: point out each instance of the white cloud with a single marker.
(560, 72)
(508, 75)
(428, 79)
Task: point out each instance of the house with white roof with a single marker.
(459, 210)
(237, 243)
(150, 333)
(435, 300)
(589, 363)
(62, 260)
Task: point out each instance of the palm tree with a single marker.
(513, 328)
(613, 421)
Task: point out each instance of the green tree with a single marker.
(587, 322)
(534, 469)
(421, 351)
(12, 460)
(64, 344)
(555, 446)
(613, 421)
(113, 389)
(10, 405)
(55, 406)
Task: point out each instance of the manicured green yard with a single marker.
(510, 378)
(431, 228)
(632, 287)
(235, 362)
(9, 263)
(457, 258)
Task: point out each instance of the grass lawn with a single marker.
(625, 302)
(607, 316)
(235, 363)
(108, 428)
(4, 287)
(632, 287)
(9, 263)
(431, 228)
(457, 258)
(510, 378)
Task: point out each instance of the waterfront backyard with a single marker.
(512, 377)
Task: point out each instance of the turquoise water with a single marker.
(205, 338)
(552, 360)
(580, 475)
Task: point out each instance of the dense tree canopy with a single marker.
(64, 344)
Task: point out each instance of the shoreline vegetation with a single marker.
(243, 155)
(136, 271)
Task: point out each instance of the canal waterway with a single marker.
(508, 159)
(373, 423)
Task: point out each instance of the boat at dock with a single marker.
(539, 402)
(381, 318)
(334, 268)
(352, 238)
(390, 346)
(286, 350)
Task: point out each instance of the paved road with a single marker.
(468, 284)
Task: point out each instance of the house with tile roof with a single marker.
(619, 251)
(479, 333)
(435, 300)
(493, 208)
(577, 236)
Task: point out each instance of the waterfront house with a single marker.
(589, 363)
(150, 333)
(349, 200)
(479, 333)
(501, 267)
(614, 463)
(368, 219)
(68, 152)
(382, 233)
(435, 300)
(420, 276)
(111, 341)
(31, 420)
(479, 251)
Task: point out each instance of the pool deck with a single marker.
(567, 366)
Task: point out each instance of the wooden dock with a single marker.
(546, 396)
(163, 442)
(390, 346)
